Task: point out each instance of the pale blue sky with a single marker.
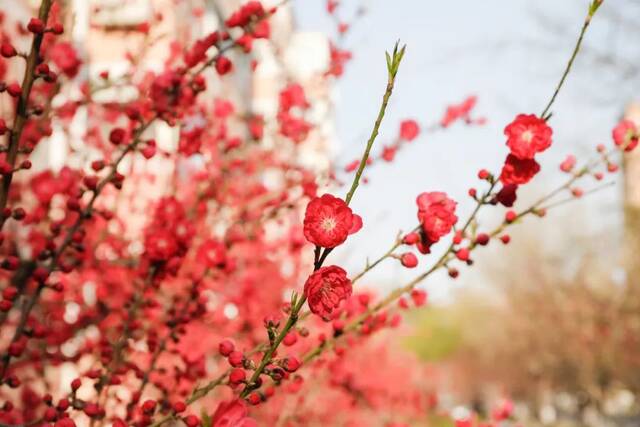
(511, 55)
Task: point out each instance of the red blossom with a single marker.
(233, 413)
(211, 254)
(507, 195)
(528, 135)
(66, 58)
(436, 213)
(328, 221)
(325, 289)
(518, 171)
(161, 245)
(460, 111)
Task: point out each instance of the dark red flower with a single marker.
(436, 213)
(293, 127)
(223, 65)
(244, 15)
(518, 171)
(325, 289)
(160, 245)
(328, 221)
(527, 135)
(211, 254)
(256, 126)
(507, 195)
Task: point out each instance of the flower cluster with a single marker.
(527, 135)
(293, 126)
(436, 213)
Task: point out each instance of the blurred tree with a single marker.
(547, 335)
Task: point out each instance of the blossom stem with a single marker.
(392, 65)
(570, 199)
(545, 113)
(21, 116)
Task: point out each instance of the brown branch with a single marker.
(21, 116)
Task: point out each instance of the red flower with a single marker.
(328, 221)
(244, 15)
(507, 195)
(256, 127)
(44, 186)
(518, 171)
(527, 135)
(232, 414)
(458, 111)
(293, 96)
(503, 410)
(436, 213)
(223, 65)
(66, 59)
(325, 289)
(212, 254)
(293, 127)
(160, 245)
(409, 130)
(625, 134)
(164, 89)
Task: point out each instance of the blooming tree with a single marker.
(224, 307)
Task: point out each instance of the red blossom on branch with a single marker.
(528, 135)
(328, 221)
(518, 171)
(325, 289)
(436, 213)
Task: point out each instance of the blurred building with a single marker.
(632, 202)
(102, 30)
(107, 35)
(104, 33)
